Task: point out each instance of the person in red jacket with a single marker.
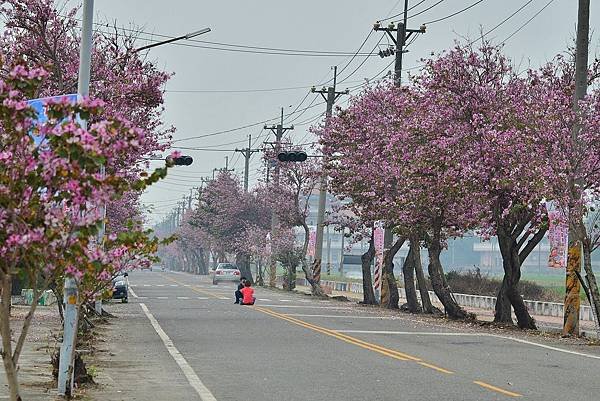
(247, 294)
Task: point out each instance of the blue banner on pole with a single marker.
(39, 105)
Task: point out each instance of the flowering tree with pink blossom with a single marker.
(43, 34)
(49, 194)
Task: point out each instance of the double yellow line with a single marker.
(376, 348)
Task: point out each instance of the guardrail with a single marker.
(539, 308)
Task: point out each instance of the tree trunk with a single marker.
(592, 285)
(408, 272)
(367, 281)
(438, 281)
(242, 261)
(315, 286)
(314, 282)
(388, 274)
(10, 365)
(508, 295)
(423, 290)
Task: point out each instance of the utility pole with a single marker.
(573, 270)
(399, 35)
(247, 153)
(330, 95)
(278, 130)
(67, 350)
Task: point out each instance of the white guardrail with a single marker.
(539, 308)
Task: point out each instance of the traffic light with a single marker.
(387, 52)
(180, 161)
(292, 156)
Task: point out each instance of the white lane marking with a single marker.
(341, 316)
(305, 301)
(173, 285)
(223, 298)
(133, 292)
(133, 285)
(191, 376)
(183, 297)
(566, 351)
(146, 285)
(324, 302)
(306, 306)
(264, 299)
(285, 300)
(201, 297)
(162, 297)
(159, 285)
(186, 285)
(534, 344)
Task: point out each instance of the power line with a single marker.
(425, 10)
(363, 62)
(527, 22)
(357, 51)
(453, 14)
(502, 22)
(231, 47)
(408, 9)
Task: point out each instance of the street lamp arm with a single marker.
(164, 42)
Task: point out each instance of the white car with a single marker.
(226, 272)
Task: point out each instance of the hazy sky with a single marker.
(331, 25)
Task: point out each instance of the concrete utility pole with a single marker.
(330, 95)
(247, 153)
(572, 300)
(278, 130)
(401, 36)
(71, 310)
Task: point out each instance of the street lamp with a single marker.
(184, 37)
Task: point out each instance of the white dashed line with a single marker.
(133, 292)
(162, 297)
(285, 300)
(201, 298)
(146, 285)
(264, 299)
(173, 285)
(191, 376)
(160, 285)
(183, 297)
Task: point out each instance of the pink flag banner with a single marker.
(558, 236)
(312, 239)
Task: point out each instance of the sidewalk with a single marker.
(545, 323)
(35, 372)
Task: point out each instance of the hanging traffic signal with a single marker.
(292, 156)
(180, 161)
(390, 51)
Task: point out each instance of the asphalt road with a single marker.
(181, 338)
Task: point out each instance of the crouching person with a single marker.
(247, 294)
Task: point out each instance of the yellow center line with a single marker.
(442, 370)
(497, 389)
(199, 291)
(355, 341)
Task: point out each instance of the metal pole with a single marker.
(328, 252)
(342, 253)
(67, 349)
